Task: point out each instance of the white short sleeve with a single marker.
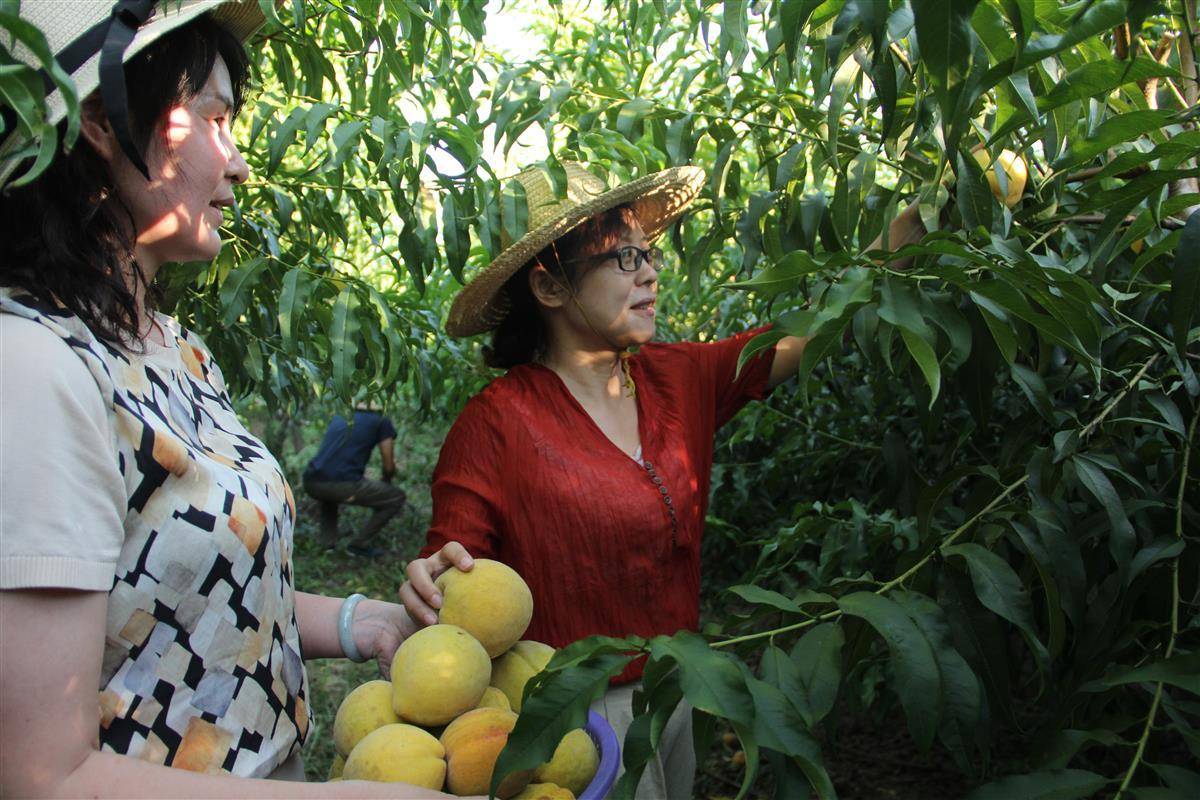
(62, 498)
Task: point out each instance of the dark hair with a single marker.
(522, 335)
(64, 237)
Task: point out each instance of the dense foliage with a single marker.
(974, 502)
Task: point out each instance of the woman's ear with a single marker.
(95, 128)
(549, 290)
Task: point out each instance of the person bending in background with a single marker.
(335, 475)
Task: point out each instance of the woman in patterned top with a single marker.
(583, 467)
(150, 617)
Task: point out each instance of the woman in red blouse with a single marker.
(584, 467)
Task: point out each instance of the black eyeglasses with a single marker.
(629, 258)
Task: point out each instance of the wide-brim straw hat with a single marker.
(657, 200)
(67, 22)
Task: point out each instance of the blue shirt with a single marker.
(346, 449)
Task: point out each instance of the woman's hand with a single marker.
(379, 628)
(906, 228)
(419, 595)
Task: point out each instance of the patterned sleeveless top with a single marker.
(202, 666)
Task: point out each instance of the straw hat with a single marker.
(657, 199)
(76, 30)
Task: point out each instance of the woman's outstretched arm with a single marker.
(906, 228)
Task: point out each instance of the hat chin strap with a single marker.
(127, 17)
(110, 37)
(623, 353)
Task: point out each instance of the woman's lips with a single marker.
(645, 308)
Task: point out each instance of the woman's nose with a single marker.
(646, 272)
(237, 170)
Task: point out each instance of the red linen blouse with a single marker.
(527, 478)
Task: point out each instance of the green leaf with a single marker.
(1064, 744)
(1168, 411)
(1023, 18)
(345, 137)
(1182, 670)
(946, 43)
(817, 658)
(1185, 284)
(455, 238)
(926, 359)
(790, 781)
(748, 737)
(1122, 538)
(898, 305)
(867, 16)
(748, 227)
(787, 166)
(1000, 590)
(758, 344)
(793, 14)
(816, 349)
(1064, 553)
(946, 316)
(284, 134)
(962, 707)
(663, 693)
(1093, 79)
(944, 34)
(1034, 388)
(1134, 191)
(1053, 603)
(783, 276)
(1111, 132)
(710, 679)
(918, 680)
(883, 78)
(343, 341)
(555, 704)
(1100, 16)
(777, 724)
(974, 194)
(28, 34)
(767, 597)
(630, 117)
(397, 351)
(1001, 332)
(1003, 300)
(1160, 549)
(292, 297)
(1054, 784)
(720, 172)
(235, 289)
(587, 648)
(779, 727)
(981, 639)
(514, 212)
(314, 122)
(733, 34)
(1179, 779)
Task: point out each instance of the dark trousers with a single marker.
(386, 499)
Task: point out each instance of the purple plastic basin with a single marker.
(610, 757)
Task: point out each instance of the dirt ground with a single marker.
(869, 762)
(877, 760)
